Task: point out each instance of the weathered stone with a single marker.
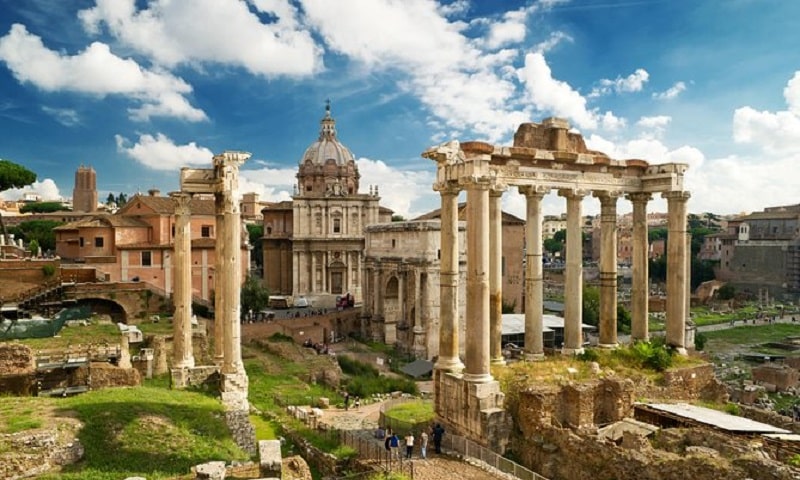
(210, 471)
(269, 455)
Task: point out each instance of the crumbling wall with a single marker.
(104, 375)
(781, 376)
(690, 383)
(16, 359)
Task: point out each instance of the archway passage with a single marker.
(103, 306)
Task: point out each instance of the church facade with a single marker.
(314, 244)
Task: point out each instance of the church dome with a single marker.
(327, 147)
(327, 167)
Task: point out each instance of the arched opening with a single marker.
(102, 306)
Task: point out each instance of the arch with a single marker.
(392, 288)
(104, 306)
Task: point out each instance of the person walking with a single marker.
(438, 433)
(346, 400)
(423, 445)
(409, 444)
(394, 444)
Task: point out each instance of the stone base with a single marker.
(608, 346)
(499, 361)
(474, 410)
(207, 376)
(533, 357)
(449, 365)
(233, 391)
(572, 351)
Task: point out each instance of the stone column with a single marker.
(608, 268)
(573, 276)
(534, 280)
(313, 276)
(640, 293)
(676, 269)
(182, 356)
(449, 360)
(496, 276)
(228, 164)
(476, 368)
(219, 282)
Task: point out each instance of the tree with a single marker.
(110, 199)
(13, 176)
(254, 295)
(591, 305)
(398, 218)
(42, 207)
(33, 247)
(255, 234)
(553, 246)
(40, 231)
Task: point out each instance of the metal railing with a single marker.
(372, 450)
(471, 450)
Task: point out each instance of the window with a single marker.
(205, 231)
(80, 241)
(503, 266)
(337, 225)
(147, 259)
(98, 242)
(173, 230)
(394, 243)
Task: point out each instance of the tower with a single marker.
(84, 195)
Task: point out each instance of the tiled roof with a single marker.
(284, 205)
(105, 220)
(166, 205)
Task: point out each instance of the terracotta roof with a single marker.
(166, 205)
(462, 215)
(770, 216)
(284, 205)
(104, 221)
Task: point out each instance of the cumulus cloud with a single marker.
(632, 83)
(407, 192)
(47, 189)
(552, 41)
(658, 121)
(774, 132)
(159, 152)
(173, 33)
(671, 92)
(96, 71)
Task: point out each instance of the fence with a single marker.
(469, 449)
(372, 450)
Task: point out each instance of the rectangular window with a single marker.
(147, 259)
(337, 225)
(80, 241)
(98, 242)
(173, 230)
(503, 266)
(205, 231)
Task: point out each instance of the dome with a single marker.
(327, 147)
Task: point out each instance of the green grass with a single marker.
(17, 416)
(754, 334)
(149, 432)
(417, 411)
(77, 335)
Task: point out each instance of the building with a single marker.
(84, 195)
(766, 253)
(314, 244)
(136, 243)
(401, 285)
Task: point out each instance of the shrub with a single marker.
(280, 337)
(344, 452)
(700, 341)
(48, 270)
(356, 368)
(588, 355)
(732, 408)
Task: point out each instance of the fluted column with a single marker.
(219, 282)
(640, 293)
(448, 287)
(182, 355)
(476, 367)
(676, 269)
(228, 164)
(496, 276)
(608, 268)
(573, 281)
(534, 284)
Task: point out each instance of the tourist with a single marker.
(380, 433)
(409, 444)
(394, 444)
(357, 402)
(438, 433)
(423, 445)
(346, 400)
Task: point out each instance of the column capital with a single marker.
(572, 192)
(497, 190)
(446, 188)
(679, 196)
(533, 190)
(182, 202)
(606, 195)
(476, 183)
(445, 154)
(639, 197)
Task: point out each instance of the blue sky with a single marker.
(139, 89)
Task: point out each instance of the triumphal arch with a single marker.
(545, 158)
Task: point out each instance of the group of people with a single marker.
(356, 401)
(391, 441)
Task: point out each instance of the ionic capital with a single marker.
(639, 197)
(676, 196)
(537, 191)
(578, 193)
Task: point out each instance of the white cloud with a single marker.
(47, 189)
(161, 153)
(96, 71)
(455, 8)
(632, 83)
(213, 31)
(554, 39)
(656, 122)
(671, 92)
(774, 132)
(265, 192)
(408, 192)
(511, 29)
(65, 116)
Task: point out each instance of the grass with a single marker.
(414, 412)
(754, 334)
(17, 415)
(77, 335)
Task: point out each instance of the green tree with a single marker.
(39, 230)
(398, 218)
(255, 233)
(553, 246)
(591, 305)
(13, 175)
(254, 296)
(623, 319)
(110, 199)
(726, 292)
(42, 207)
(33, 247)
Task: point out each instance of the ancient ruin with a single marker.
(545, 157)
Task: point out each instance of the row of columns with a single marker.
(484, 259)
(227, 325)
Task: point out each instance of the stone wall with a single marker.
(104, 375)
(781, 376)
(28, 270)
(691, 383)
(242, 431)
(16, 359)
